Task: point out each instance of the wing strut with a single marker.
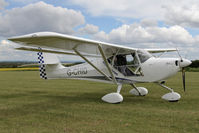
(107, 64)
(112, 63)
(78, 53)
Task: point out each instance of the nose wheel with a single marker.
(171, 96)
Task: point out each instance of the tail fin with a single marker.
(49, 64)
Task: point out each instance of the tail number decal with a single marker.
(77, 71)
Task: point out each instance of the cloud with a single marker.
(89, 29)
(8, 52)
(174, 12)
(25, 1)
(148, 22)
(39, 17)
(3, 3)
(136, 33)
(183, 15)
(130, 8)
(123, 8)
(4, 42)
(7, 45)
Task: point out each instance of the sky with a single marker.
(133, 23)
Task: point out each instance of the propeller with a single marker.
(183, 63)
(183, 78)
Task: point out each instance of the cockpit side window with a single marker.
(143, 55)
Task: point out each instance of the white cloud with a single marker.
(25, 1)
(89, 29)
(45, 17)
(186, 16)
(4, 42)
(130, 8)
(39, 17)
(3, 3)
(174, 12)
(7, 46)
(124, 8)
(7, 50)
(136, 33)
(148, 22)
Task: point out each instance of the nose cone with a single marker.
(185, 62)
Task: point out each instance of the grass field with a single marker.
(29, 104)
(19, 69)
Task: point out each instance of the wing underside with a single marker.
(48, 40)
(66, 44)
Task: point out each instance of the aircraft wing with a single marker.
(67, 44)
(161, 50)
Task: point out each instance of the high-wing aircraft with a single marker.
(110, 63)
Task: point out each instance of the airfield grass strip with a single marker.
(19, 69)
(29, 104)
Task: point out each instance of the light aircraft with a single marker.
(110, 63)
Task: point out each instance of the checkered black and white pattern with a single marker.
(42, 68)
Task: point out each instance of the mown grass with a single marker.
(31, 105)
(20, 69)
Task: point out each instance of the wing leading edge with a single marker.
(161, 50)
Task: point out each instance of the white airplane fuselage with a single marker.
(153, 70)
(113, 63)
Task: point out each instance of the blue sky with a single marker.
(141, 24)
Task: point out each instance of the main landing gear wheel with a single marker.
(114, 97)
(138, 91)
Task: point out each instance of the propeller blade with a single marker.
(183, 79)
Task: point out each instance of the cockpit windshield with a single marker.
(143, 55)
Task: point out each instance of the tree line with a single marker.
(194, 64)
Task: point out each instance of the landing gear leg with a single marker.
(171, 96)
(119, 87)
(114, 97)
(138, 91)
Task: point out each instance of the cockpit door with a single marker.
(130, 64)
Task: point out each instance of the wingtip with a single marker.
(36, 34)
